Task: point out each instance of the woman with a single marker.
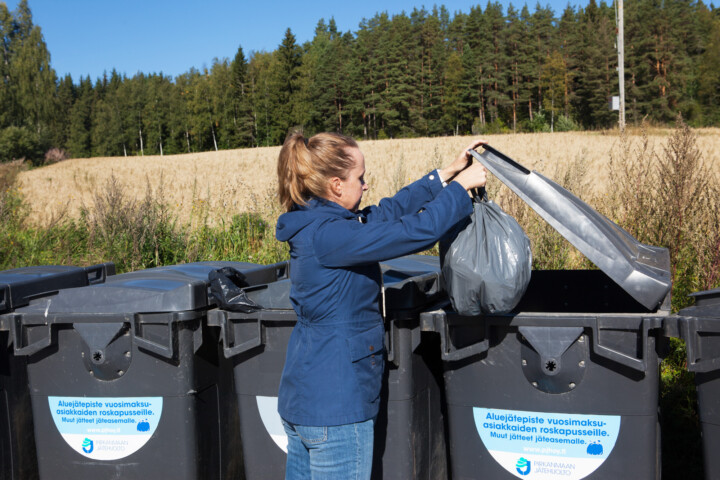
(330, 387)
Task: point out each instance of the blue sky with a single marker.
(88, 37)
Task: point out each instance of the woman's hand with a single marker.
(463, 161)
(474, 176)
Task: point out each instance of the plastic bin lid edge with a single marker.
(643, 271)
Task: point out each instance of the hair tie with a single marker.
(305, 140)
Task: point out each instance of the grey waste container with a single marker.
(126, 378)
(565, 386)
(17, 287)
(409, 441)
(700, 328)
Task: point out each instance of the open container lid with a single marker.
(173, 288)
(643, 271)
(20, 285)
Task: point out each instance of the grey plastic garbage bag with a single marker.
(486, 261)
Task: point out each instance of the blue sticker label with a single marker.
(104, 428)
(542, 445)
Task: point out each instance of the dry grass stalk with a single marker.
(206, 188)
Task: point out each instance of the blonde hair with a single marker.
(305, 166)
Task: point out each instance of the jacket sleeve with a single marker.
(410, 199)
(342, 243)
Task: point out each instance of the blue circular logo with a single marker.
(87, 445)
(523, 466)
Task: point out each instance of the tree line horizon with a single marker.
(427, 73)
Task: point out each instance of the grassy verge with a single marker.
(133, 233)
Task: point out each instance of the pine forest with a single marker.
(423, 73)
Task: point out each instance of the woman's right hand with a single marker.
(474, 176)
(463, 161)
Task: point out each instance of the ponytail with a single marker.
(305, 166)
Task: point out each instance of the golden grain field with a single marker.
(210, 186)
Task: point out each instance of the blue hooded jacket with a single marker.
(335, 357)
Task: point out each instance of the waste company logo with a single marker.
(87, 445)
(523, 466)
(143, 426)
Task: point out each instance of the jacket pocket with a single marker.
(367, 354)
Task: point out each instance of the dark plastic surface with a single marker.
(187, 443)
(144, 334)
(707, 298)
(578, 344)
(410, 282)
(641, 270)
(409, 440)
(20, 285)
(699, 326)
(164, 289)
(148, 300)
(17, 287)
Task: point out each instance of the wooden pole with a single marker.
(621, 64)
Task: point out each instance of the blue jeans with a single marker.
(342, 452)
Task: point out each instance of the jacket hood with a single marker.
(290, 223)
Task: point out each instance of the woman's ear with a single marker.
(336, 186)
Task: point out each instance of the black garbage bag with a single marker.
(486, 261)
(227, 287)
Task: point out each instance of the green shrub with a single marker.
(565, 124)
(246, 238)
(538, 123)
(671, 198)
(489, 128)
(12, 213)
(20, 142)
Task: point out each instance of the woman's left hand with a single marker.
(463, 161)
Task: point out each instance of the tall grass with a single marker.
(670, 197)
(133, 233)
(11, 210)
